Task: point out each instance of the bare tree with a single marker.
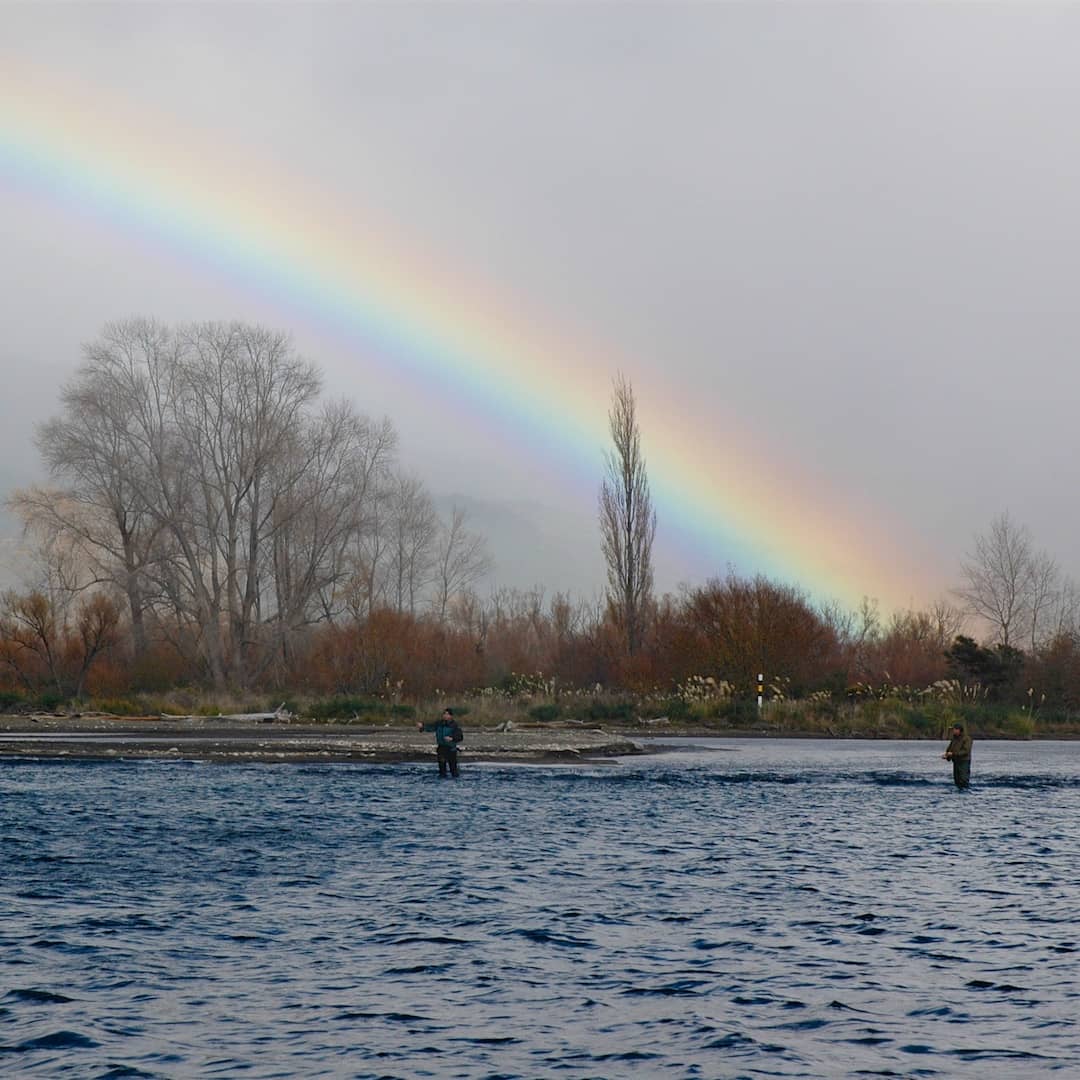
(243, 394)
(999, 579)
(38, 644)
(321, 503)
(365, 585)
(208, 484)
(30, 634)
(1064, 613)
(1045, 591)
(627, 519)
(865, 633)
(947, 621)
(461, 559)
(414, 528)
(89, 447)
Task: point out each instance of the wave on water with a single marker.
(41, 997)
(56, 1040)
(785, 911)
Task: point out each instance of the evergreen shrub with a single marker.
(545, 713)
(607, 710)
(346, 708)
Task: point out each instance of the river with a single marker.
(722, 909)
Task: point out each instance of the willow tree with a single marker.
(627, 519)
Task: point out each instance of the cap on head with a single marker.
(449, 712)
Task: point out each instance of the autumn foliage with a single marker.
(215, 523)
(712, 640)
(729, 630)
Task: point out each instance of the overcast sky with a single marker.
(848, 232)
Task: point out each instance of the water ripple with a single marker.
(795, 909)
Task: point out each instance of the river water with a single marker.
(750, 908)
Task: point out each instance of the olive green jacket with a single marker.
(959, 746)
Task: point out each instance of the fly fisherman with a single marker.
(959, 753)
(447, 736)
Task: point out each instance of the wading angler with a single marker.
(448, 734)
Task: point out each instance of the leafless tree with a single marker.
(999, 579)
(461, 559)
(472, 616)
(1064, 618)
(242, 396)
(89, 447)
(365, 584)
(947, 621)
(39, 644)
(57, 563)
(865, 632)
(1045, 592)
(322, 502)
(208, 484)
(568, 617)
(31, 647)
(627, 519)
(414, 527)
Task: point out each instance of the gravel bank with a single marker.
(221, 740)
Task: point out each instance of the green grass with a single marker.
(821, 716)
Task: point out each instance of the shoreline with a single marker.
(214, 739)
(102, 737)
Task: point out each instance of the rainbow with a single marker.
(308, 255)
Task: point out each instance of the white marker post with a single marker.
(760, 689)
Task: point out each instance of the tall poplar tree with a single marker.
(627, 519)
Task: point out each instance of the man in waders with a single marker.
(447, 736)
(959, 753)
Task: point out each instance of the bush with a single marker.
(1019, 725)
(345, 708)
(740, 712)
(9, 700)
(921, 723)
(49, 701)
(545, 713)
(607, 710)
(674, 708)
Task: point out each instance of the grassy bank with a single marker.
(903, 720)
(701, 712)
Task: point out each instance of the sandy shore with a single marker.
(221, 740)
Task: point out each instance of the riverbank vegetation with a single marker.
(220, 539)
(520, 659)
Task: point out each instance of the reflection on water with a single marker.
(751, 908)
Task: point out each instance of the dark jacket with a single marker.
(959, 746)
(447, 734)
